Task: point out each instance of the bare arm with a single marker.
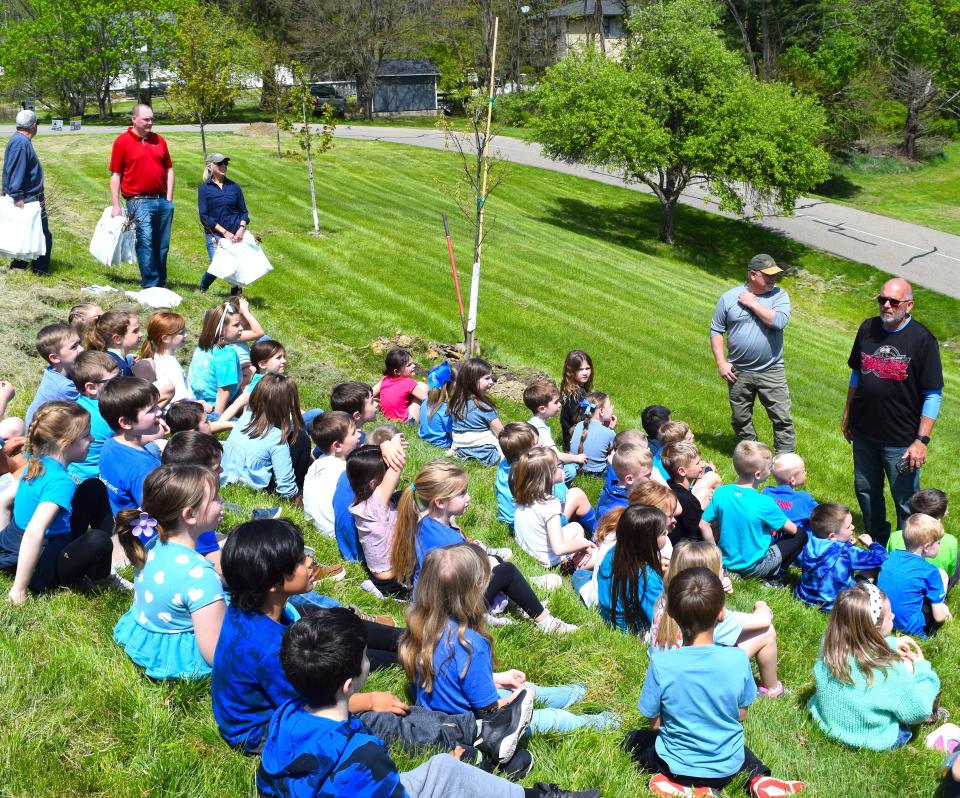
(206, 626)
(560, 545)
(420, 391)
(789, 528)
(845, 421)
(223, 397)
(389, 483)
(256, 331)
(723, 365)
(496, 426)
(707, 532)
(30, 547)
(115, 192)
(170, 182)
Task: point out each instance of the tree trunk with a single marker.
(203, 136)
(667, 210)
(910, 132)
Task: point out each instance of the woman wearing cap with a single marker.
(223, 212)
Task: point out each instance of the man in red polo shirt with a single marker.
(141, 171)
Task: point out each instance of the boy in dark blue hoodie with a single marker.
(316, 748)
(830, 558)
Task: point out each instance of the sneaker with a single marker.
(554, 626)
(112, 582)
(518, 766)
(544, 790)
(497, 620)
(547, 582)
(500, 731)
(661, 785)
(944, 738)
(504, 553)
(604, 721)
(769, 787)
(499, 604)
(265, 514)
(371, 588)
(335, 573)
(773, 692)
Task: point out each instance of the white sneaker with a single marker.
(554, 626)
(113, 582)
(498, 620)
(547, 582)
(371, 588)
(505, 554)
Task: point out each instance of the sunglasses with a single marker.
(889, 300)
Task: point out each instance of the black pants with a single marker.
(90, 508)
(390, 587)
(382, 641)
(507, 579)
(790, 547)
(641, 745)
(302, 457)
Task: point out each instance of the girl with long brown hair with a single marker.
(576, 383)
(166, 334)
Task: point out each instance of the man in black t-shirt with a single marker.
(896, 385)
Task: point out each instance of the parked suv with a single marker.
(324, 94)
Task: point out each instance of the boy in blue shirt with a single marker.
(790, 472)
(91, 372)
(516, 439)
(59, 346)
(131, 407)
(316, 747)
(917, 589)
(747, 520)
(265, 564)
(696, 699)
(830, 558)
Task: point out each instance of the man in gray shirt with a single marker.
(23, 181)
(753, 317)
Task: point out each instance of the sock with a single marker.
(589, 522)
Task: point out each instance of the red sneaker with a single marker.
(662, 786)
(769, 787)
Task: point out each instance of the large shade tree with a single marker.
(680, 107)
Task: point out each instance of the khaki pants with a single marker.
(771, 387)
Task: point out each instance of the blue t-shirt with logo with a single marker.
(797, 505)
(123, 470)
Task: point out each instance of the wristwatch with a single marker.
(924, 439)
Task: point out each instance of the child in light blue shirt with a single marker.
(594, 433)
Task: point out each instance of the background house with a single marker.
(574, 25)
(406, 86)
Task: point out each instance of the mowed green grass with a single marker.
(568, 263)
(927, 193)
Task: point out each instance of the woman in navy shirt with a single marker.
(223, 212)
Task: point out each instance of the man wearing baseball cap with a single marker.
(23, 180)
(753, 317)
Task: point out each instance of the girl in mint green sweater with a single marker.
(870, 687)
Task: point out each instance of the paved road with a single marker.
(924, 256)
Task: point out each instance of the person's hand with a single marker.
(580, 458)
(727, 371)
(19, 203)
(613, 421)
(242, 304)
(116, 211)
(238, 236)
(13, 446)
(7, 391)
(916, 455)
(865, 539)
(763, 608)
(747, 300)
(726, 583)
(845, 426)
(393, 453)
(229, 236)
(510, 680)
(387, 702)
(17, 596)
(908, 649)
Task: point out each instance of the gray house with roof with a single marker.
(406, 86)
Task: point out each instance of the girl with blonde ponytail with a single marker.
(37, 542)
(172, 628)
(425, 521)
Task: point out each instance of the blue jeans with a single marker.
(551, 714)
(154, 218)
(870, 464)
(580, 578)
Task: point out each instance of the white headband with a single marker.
(876, 601)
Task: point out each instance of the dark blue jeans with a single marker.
(871, 463)
(154, 217)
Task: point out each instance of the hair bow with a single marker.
(227, 311)
(145, 527)
(439, 376)
(413, 488)
(876, 601)
(587, 407)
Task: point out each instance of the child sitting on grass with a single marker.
(870, 687)
(751, 631)
(475, 424)
(703, 485)
(399, 393)
(265, 565)
(172, 628)
(790, 472)
(576, 383)
(516, 439)
(166, 335)
(933, 502)
(116, 332)
(541, 525)
(746, 519)
(832, 556)
(425, 521)
(91, 372)
(683, 464)
(315, 746)
(435, 422)
(214, 375)
(594, 432)
(917, 589)
(631, 465)
(59, 346)
(336, 435)
(652, 418)
(696, 699)
(448, 654)
(543, 400)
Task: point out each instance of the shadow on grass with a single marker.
(714, 244)
(838, 187)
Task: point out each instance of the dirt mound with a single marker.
(258, 129)
(511, 380)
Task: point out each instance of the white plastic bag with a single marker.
(114, 240)
(239, 263)
(21, 230)
(156, 297)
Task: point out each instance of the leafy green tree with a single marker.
(211, 58)
(680, 107)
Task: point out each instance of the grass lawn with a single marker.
(568, 263)
(927, 193)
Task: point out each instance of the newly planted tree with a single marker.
(682, 107)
